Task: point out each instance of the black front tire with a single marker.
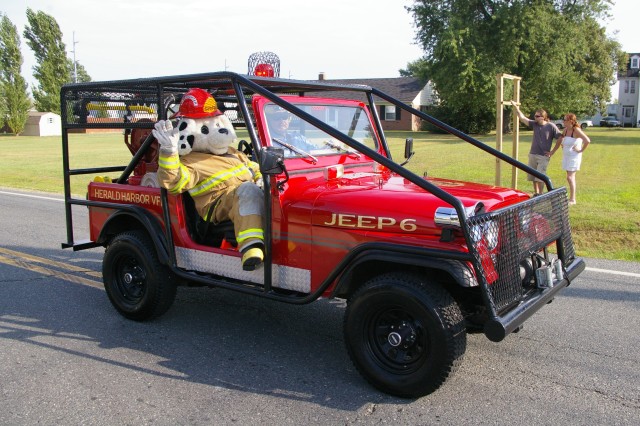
(406, 336)
(138, 285)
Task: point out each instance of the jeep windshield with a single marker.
(301, 139)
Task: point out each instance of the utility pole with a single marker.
(75, 68)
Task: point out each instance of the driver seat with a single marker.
(207, 233)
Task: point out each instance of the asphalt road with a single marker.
(219, 357)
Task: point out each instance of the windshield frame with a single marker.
(363, 131)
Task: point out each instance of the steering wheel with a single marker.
(246, 148)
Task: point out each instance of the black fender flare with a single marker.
(130, 217)
(454, 263)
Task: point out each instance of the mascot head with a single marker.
(202, 126)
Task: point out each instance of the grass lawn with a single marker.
(606, 219)
(605, 222)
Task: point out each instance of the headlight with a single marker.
(491, 235)
(525, 220)
(476, 233)
(533, 226)
(488, 232)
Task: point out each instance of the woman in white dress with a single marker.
(574, 141)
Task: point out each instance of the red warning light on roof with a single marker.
(264, 70)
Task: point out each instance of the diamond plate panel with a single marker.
(284, 277)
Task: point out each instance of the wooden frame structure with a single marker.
(500, 104)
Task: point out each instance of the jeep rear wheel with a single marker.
(137, 284)
(405, 336)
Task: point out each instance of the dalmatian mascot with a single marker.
(197, 157)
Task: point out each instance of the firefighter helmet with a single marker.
(197, 103)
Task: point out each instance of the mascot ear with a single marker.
(186, 128)
(185, 144)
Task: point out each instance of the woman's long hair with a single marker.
(572, 119)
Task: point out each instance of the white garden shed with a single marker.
(42, 124)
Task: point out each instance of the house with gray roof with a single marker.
(409, 90)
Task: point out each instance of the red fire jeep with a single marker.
(421, 261)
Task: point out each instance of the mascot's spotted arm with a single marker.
(197, 157)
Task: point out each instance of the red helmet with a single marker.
(197, 103)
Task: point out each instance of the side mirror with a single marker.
(272, 161)
(408, 150)
(272, 164)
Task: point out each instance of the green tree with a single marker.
(557, 46)
(53, 67)
(82, 75)
(13, 88)
(3, 109)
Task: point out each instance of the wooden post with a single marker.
(516, 133)
(500, 104)
(499, 121)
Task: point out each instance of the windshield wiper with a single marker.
(339, 147)
(300, 152)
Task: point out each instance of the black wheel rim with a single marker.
(398, 341)
(129, 278)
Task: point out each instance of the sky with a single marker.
(120, 39)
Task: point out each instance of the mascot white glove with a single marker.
(167, 136)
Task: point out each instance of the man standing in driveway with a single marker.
(544, 132)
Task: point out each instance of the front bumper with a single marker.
(499, 327)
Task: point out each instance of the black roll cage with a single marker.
(239, 88)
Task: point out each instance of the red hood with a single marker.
(493, 197)
(368, 197)
(403, 191)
